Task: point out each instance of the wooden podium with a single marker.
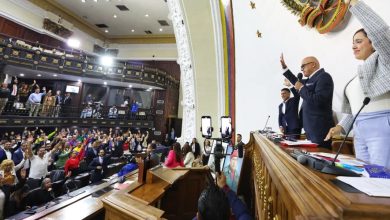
(277, 187)
(166, 194)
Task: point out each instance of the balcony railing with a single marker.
(33, 56)
(18, 114)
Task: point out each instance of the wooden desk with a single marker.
(278, 187)
(165, 194)
(82, 206)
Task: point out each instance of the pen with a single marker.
(350, 167)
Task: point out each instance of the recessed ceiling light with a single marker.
(106, 31)
(115, 16)
(39, 75)
(132, 30)
(83, 1)
(105, 83)
(21, 74)
(130, 86)
(95, 0)
(146, 15)
(161, 29)
(55, 75)
(73, 43)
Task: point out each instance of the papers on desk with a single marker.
(370, 186)
(300, 143)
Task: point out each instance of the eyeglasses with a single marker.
(303, 65)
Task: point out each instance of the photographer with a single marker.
(216, 203)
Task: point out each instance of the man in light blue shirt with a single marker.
(35, 101)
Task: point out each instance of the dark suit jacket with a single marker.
(90, 154)
(317, 96)
(97, 173)
(67, 101)
(289, 120)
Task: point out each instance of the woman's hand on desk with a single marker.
(335, 131)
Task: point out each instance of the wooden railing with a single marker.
(278, 187)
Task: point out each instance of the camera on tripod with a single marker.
(226, 131)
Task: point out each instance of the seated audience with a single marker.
(41, 195)
(152, 156)
(87, 112)
(195, 148)
(174, 157)
(188, 155)
(72, 164)
(113, 112)
(99, 166)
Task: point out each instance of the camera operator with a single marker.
(216, 202)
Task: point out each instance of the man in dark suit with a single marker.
(66, 102)
(288, 113)
(317, 94)
(99, 166)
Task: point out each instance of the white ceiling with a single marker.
(103, 11)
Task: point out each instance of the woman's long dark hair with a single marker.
(177, 150)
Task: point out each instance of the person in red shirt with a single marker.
(74, 161)
(175, 158)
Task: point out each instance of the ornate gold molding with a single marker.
(324, 15)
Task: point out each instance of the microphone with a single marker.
(332, 168)
(312, 162)
(266, 123)
(300, 76)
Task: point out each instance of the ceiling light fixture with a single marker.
(106, 60)
(95, 0)
(73, 43)
(106, 31)
(21, 74)
(130, 86)
(115, 16)
(105, 83)
(161, 29)
(146, 15)
(39, 75)
(55, 75)
(83, 1)
(132, 30)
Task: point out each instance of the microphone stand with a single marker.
(339, 171)
(262, 131)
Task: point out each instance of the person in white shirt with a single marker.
(39, 164)
(188, 155)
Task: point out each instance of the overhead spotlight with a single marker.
(146, 15)
(95, 0)
(115, 16)
(39, 75)
(130, 86)
(55, 75)
(161, 29)
(83, 1)
(21, 74)
(106, 31)
(105, 83)
(106, 60)
(132, 30)
(73, 43)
